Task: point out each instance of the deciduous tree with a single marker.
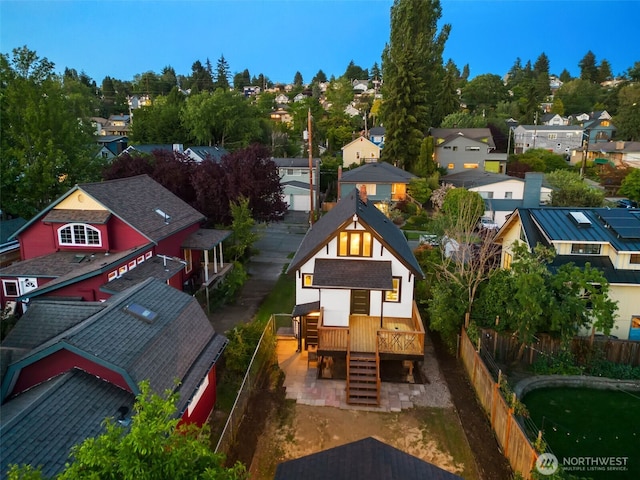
(570, 190)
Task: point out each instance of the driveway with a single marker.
(277, 242)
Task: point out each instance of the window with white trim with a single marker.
(189, 259)
(307, 280)
(10, 288)
(585, 248)
(79, 234)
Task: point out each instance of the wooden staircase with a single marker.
(363, 378)
(311, 334)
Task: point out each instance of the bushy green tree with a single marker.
(46, 137)
(631, 185)
(570, 190)
(540, 160)
(243, 236)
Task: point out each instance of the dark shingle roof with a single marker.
(82, 216)
(379, 172)
(9, 227)
(136, 199)
(328, 226)
(476, 178)
(205, 239)
(477, 134)
(600, 262)
(377, 131)
(41, 424)
(298, 162)
(367, 459)
(343, 273)
(40, 427)
(154, 267)
(212, 153)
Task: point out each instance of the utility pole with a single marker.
(585, 148)
(311, 209)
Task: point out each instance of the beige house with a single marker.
(361, 150)
(607, 239)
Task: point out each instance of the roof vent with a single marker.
(165, 216)
(141, 313)
(580, 219)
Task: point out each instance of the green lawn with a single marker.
(581, 422)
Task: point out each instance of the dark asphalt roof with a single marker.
(366, 459)
(476, 178)
(213, 153)
(138, 202)
(378, 172)
(81, 216)
(40, 427)
(449, 134)
(205, 239)
(346, 273)
(305, 308)
(154, 267)
(600, 262)
(9, 227)
(299, 162)
(330, 224)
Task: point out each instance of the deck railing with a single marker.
(408, 339)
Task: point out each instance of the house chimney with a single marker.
(363, 193)
(532, 189)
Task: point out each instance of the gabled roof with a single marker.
(135, 200)
(597, 123)
(449, 134)
(364, 459)
(377, 131)
(377, 172)
(159, 350)
(619, 227)
(45, 421)
(551, 128)
(330, 224)
(204, 152)
(363, 140)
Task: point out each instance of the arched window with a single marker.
(79, 234)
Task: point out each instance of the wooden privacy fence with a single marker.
(515, 444)
(504, 347)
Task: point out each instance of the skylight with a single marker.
(164, 215)
(141, 313)
(580, 219)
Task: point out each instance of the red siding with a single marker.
(172, 246)
(37, 240)
(58, 363)
(205, 401)
(122, 236)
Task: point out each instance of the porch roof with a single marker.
(205, 239)
(361, 274)
(305, 308)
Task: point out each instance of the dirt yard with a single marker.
(293, 431)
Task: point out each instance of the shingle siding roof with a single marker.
(367, 458)
(135, 200)
(68, 409)
(328, 225)
(379, 172)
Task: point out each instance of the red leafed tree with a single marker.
(210, 186)
(251, 173)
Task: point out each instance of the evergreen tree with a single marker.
(297, 79)
(412, 69)
(604, 71)
(565, 76)
(448, 101)
(375, 73)
(222, 74)
(588, 67)
(465, 73)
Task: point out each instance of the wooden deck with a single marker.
(397, 336)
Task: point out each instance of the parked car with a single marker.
(487, 223)
(626, 203)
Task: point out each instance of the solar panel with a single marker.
(623, 222)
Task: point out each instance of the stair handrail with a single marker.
(348, 360)
(378, 381)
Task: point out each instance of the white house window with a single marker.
(553, 136)
(508, 194)
(470, 165)
(486, 195)
(393, 295)
(79, 234)
(10, 288)
(585, 248)
(472, 149)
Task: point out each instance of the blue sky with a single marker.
(123, 38)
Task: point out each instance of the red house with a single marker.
(101, 238)
(68, 365)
